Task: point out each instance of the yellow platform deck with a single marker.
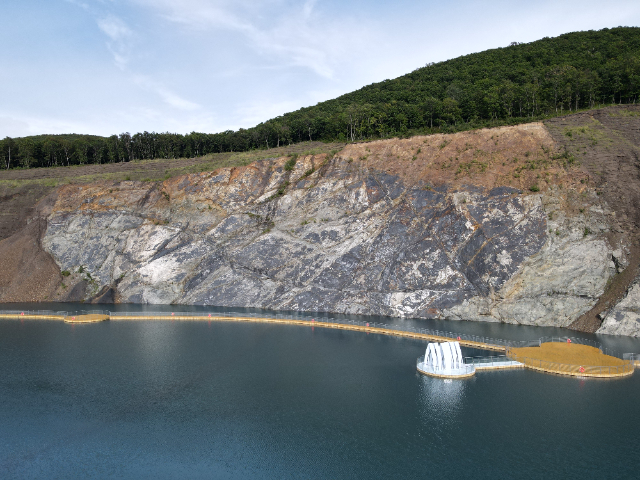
(92, 318)
(571, 359)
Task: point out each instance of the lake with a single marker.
(145, 399)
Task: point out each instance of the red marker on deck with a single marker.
(209, 315)
(22, 313)
(367, 324)
(568, 340)
(458, 338)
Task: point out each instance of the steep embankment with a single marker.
(494, 225)
(607, 144)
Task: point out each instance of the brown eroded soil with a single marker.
(18, 205)
(568, 354)
(522, 156)
(28, 273)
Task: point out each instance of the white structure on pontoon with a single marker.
(445, 360)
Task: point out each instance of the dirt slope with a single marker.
(28, 273)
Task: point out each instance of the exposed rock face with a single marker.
(342, 239)
(557, 284)
(606, 143)
(624, 319)
(492, 225)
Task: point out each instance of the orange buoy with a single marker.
(581, 369)
(568, 340)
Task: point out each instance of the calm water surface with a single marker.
(199, 400)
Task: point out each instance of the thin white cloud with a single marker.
(115, 28)
(120, 35)
(307, 8)
(176, 101)
(203, 14)
(295, 36)
(167, 96)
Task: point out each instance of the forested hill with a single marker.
(518, 83)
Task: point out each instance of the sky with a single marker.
(111, 66)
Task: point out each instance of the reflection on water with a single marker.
(155, 344)
(442, 399)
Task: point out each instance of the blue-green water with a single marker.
(217, 400)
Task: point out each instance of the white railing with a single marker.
(460, 370)
(24, 313)
(491, 360)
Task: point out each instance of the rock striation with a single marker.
(492, 225)
(342, 239)
(339, 237)
(558, 283)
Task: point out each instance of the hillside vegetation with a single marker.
(519, 83)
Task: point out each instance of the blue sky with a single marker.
(110, 66)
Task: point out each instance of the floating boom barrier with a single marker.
(626, 362)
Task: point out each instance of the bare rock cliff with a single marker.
(492, 225)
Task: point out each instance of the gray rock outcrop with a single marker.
(332, 236)
(557, 284)
(624, 318)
